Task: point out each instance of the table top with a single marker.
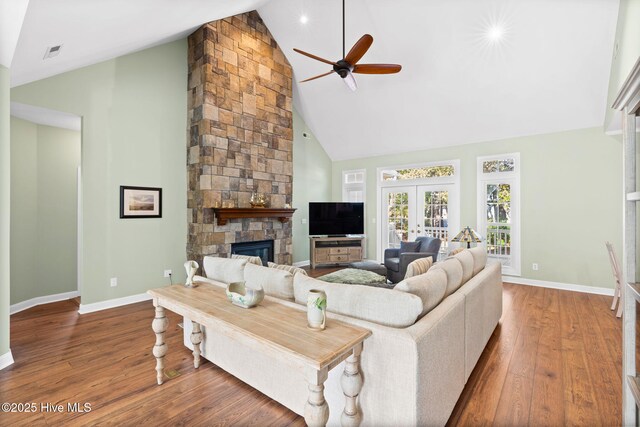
(270, 325)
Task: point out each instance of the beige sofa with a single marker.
(427, 335)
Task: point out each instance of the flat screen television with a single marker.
(336, 218)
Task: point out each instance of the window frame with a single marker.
(354, 186)
(513, 179)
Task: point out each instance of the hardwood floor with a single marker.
(555, 359)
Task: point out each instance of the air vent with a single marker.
(52, 51)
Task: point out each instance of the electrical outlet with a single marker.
(534, 266)
(373, 220)
(303, 220)
(167, 273)
(114, 282)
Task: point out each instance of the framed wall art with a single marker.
(140, 202)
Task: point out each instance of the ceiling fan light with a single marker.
(350, 81)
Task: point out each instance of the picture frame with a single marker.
(140, 202)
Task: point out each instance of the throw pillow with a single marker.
(224, 270)
(430, 287)
(409, 247)
(252, 259)
(419, 266)
(290, 268)
(456, 251)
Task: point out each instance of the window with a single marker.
(353, 185)
(418, 172)
(499, 209)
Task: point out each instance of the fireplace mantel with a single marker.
(225, 214)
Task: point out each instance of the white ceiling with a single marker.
(550, 72)
(91, 31)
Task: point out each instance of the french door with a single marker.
(419, 210)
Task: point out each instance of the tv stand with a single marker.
(335, 250)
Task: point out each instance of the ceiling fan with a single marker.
(348, 65)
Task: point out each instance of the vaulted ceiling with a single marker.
(548, 72)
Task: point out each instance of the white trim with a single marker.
(6, 360)
(18, 307)
(113, 303)
(302, 263)
(557, 285)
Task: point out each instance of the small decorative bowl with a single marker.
(243, 296)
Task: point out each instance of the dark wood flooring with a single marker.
(554, 360)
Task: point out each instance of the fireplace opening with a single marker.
(261, 248)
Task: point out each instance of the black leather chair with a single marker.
(397, 262)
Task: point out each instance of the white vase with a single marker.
(316, 309)
(191, 267)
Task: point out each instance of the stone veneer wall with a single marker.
(240, 136)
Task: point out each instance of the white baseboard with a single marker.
(15, 308)
(113, 303)
(6, 360)
(556, 285)
(301, 263)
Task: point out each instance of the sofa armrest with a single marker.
(391, 253)
(407, 258)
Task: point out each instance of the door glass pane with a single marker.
(436, 212)
(498, 238)
(398, 214)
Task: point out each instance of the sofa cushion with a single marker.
(226, 270)
(409, 247)
(392, 263)
(383, 306)
(429, 286)
(419, 266)
(252, 259)
(275, 282)
(290, 268)
(479, 254)
(453, 269)
(466, 260)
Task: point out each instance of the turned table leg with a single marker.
(316, 411)
(196, 339)
(159, 326)
(351, 382)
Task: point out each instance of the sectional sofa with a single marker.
(427, 335)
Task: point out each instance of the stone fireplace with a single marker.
(240, 135)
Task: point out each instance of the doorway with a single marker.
(45, 206)
(418, 210)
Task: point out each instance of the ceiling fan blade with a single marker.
(350, 81)
(317, 77)
(359, 49)
(317, 58)
(377, 68)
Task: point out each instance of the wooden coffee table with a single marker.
(274, 329)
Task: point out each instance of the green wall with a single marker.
(570, 199)
(628, 50)
(133, 133)
(311, 183)
(5, 208)
(44, 164)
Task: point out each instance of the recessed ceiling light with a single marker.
(304, 19)
(52, 51)
(495, 33)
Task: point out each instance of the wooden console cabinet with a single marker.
(335, 250)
